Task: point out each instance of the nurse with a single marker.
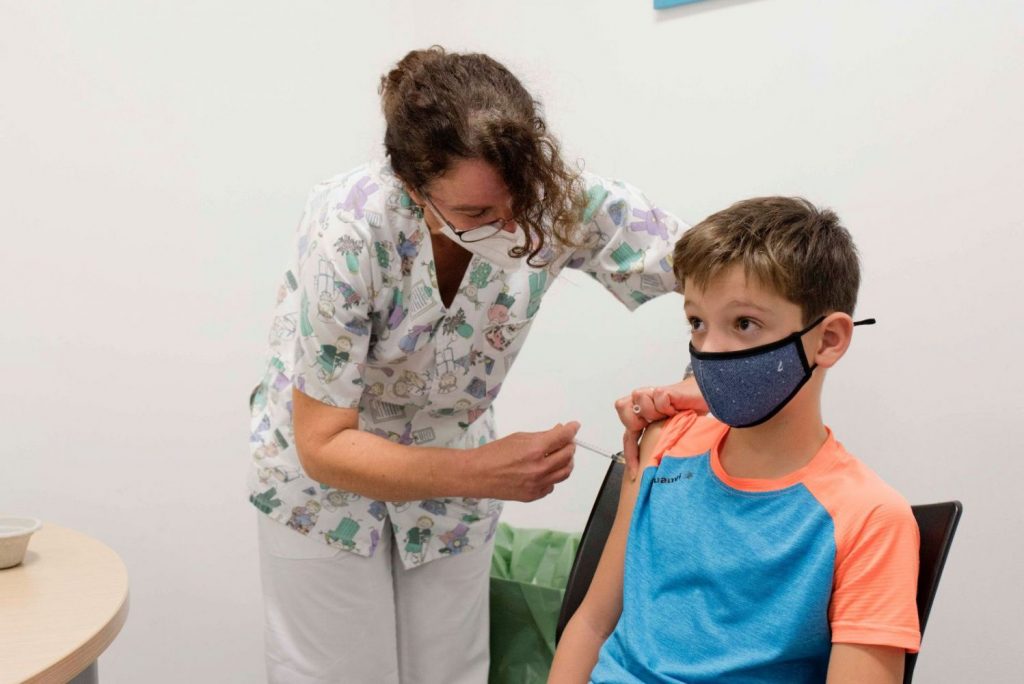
(411, 288)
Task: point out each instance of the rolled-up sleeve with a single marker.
(628, 242)
(334, 276)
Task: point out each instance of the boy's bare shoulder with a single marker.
(685, 434)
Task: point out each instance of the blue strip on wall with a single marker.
(662, 4)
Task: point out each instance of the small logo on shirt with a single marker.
(670, 480)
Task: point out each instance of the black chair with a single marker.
(937, 523)
(599, 525)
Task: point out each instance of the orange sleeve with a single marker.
(874, 596)
(687, 434)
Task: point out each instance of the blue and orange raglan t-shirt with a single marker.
(751, 580)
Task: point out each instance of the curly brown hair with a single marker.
(786, 243)
(441, 107)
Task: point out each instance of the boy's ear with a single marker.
(833, 339)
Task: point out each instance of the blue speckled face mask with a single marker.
(747, 387)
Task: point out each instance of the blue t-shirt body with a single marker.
(731, 579)
(692, 609)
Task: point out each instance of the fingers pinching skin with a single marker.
(629, 418)
(644, 399)
(662, 401)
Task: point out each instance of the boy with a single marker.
(754, 548)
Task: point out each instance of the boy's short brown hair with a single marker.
(787, 243)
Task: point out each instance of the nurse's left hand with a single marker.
(647, 405)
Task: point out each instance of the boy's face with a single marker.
(735, 313)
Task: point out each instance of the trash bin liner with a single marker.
(529, 571)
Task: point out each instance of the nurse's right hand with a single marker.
(525, 466)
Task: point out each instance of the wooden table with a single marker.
(60, 608)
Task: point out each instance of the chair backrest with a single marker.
(937, 523)
(595, 534)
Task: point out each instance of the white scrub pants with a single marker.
(334, 616)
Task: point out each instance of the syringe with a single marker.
(618, 458)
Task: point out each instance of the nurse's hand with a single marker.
(646, 405)
(525, 466)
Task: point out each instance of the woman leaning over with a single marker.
(412, 286)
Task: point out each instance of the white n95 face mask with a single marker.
(490, 241)
(494, 248)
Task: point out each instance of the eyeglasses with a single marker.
(468, 234)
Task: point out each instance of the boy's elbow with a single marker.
(598, 623)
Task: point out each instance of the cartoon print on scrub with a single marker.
(304, 518)
(411, 340)
(358, 196)
(283, 473)
(382, 250)
(400, 202)
(377, 510)
(348, 339)
(332, 358)
(265, 501)
(455, 540)
(409, 384)
(447, 380)
(651, 222)
(396, 313)
(538, 284)
(498, 312)
(283, 328)
(333, 499)
(629, 260)
(456, 323)
(404, 437)
(434, 506)
(350, 248)
(344, 534)
(477, 388)
(409, 249)
(596, 195)
(501, 337)
(290, 284)
(481, 274)
(268, 448)
(416, 539)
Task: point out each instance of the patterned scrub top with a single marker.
(360, 324)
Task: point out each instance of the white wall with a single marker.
(154, 158)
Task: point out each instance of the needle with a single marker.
(618, 458)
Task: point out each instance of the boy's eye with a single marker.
(696, 324)
(474, 214)
(745, 324)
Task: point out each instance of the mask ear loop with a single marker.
(865, 321)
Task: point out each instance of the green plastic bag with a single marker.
(529, 571)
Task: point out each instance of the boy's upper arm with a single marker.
(602, 605)
(874, 600)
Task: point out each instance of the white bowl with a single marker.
(14, 534)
